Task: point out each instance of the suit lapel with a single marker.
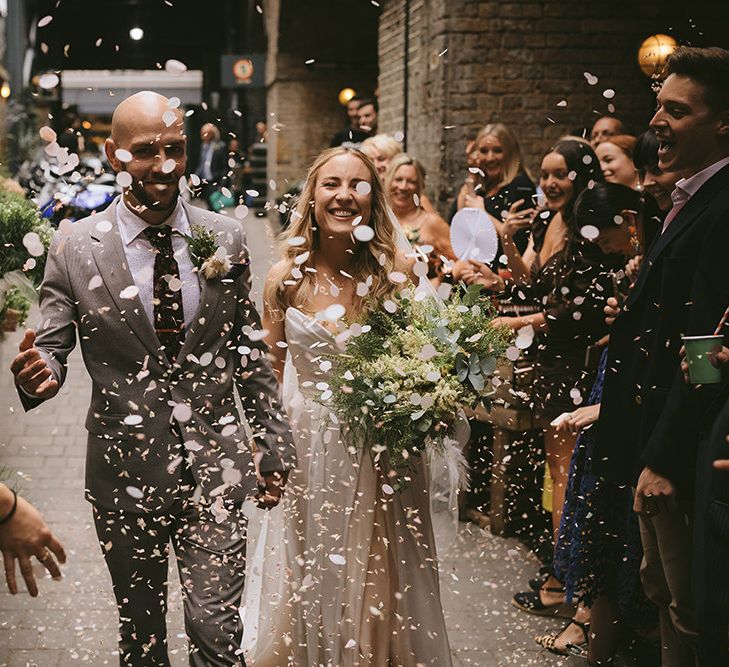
(681, 222)
(685, 218)
(111, 261)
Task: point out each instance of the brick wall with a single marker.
(515, 62)
(303, 109)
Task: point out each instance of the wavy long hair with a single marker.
(373, 260)
(513, 161)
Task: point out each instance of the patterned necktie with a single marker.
(169, 318)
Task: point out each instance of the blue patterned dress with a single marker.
(599, 549)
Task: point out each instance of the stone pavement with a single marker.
(73, 622)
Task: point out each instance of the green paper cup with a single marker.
(698, 351)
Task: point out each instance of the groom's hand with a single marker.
(271, 489)
(31, 371)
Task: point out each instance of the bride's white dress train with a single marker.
(344, 572)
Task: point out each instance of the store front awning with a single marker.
(100, 91)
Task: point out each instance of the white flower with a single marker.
(217, 265)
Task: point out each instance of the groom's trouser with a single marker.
(211, 563)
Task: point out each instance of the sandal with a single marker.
(544, 573)
(531, 603)
(578, 650)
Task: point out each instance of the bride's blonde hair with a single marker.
(376, 258)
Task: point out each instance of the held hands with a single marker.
(270, 486)
(24, 536)
(31, 371)
(653, 494)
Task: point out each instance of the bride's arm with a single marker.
(274, 324)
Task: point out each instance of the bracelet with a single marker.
(7, 518)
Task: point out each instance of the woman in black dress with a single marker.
(569, 278)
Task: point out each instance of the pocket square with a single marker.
(236, 271)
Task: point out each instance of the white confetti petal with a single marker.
(95, 282)
(123, 155)
(168, 166)
(168, 118)
(397, 277)
(337, 559)
(48, 81)
(134, 492)
(608, 94)
(175, 67)
(44, 21)
(133, 420)
(334, 312)
(386, 488)
(240, 212)
(124, 178)
(129, 292)
(590, 232)
(182, 412)
(363, 188)
(363, 233)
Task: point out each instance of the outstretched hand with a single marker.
(31, 370)
(611, 310)
(23, 537)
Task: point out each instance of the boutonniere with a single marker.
(210, 259)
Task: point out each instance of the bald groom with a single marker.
(169, 459)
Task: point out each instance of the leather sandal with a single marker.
(544, 573)
(577, 650)
(531, 603)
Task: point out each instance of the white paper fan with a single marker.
(473, 236)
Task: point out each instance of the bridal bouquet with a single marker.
(410, 368)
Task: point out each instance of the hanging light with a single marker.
(136, 33)
(345, 95)
(654, 52)
(5, 90)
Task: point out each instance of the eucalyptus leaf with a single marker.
(461, 367)
(488, 365)
(477, 381)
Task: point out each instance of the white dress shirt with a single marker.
(688, 187)
(140, 258)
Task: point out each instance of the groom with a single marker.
(168, 458)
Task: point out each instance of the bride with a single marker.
(354, 566)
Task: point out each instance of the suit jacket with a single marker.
(149, 419)
(649, 416)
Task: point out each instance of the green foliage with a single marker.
(202, 244)
(401, 383)
(18, 217)
(16, 301)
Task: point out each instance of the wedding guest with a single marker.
(604, 128)
(498, 178)
(598, 551)
(381, 149)
(352, 134)
(24, 535)
(212, 162)
(367, 116)
(568, 279)
(649, 417)
(616, 160)
(404, 185)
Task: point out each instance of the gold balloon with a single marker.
(345, 95)
(653, 53)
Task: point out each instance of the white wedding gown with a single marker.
(341, 574)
